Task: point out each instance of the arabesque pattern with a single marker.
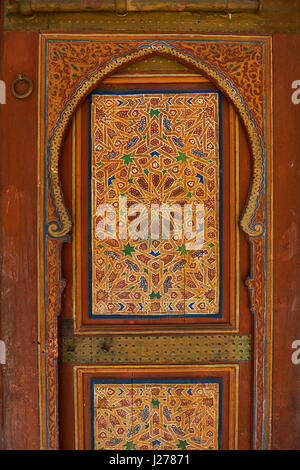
(153, 149)
(156, 415)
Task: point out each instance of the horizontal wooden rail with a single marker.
(29, 7)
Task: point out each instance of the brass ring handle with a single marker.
(21, 78)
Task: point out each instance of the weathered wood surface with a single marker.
(286, 375)
(26, 7)
(18, 186)
(234, 17)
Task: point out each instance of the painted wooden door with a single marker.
(152, 322)
(156, 330)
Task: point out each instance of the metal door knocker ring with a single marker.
(21, 79)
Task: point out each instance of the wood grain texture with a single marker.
(1, 367)
(18, 247)
(28, 8)
(286, 389)
(276, 16)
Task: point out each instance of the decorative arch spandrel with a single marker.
(71, 67)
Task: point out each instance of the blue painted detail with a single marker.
(167, 284)
(134, 430)
(156, 443)
(178, 141)
(142, 123)
(155, 154)
(131, 265)
(110, 180)
(166, 124)
(145, 413)
(199, 153)
(121, 307)
(120, 102)
(155, 254)
(201, 179)
(199, 253)
(114, 441)
(144, 283)
(178, 265)
(191, 305)
(111, 155)
(131, 143)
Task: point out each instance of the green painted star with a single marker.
(182, 249)
(128, 249)
(154, 295)
(127, 158)
(182, 444)
(155, 403)
(154, 112)
(130, 445)
(182, 157)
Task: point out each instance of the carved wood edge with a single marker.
(63, 228)
(30, 7)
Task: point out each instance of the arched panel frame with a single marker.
(71, 66)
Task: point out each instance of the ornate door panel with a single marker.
(154, 208)
(160, 278)
(159, 131)
(157, 407)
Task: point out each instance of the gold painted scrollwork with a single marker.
(59, 230)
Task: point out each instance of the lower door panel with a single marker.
(156, 407)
